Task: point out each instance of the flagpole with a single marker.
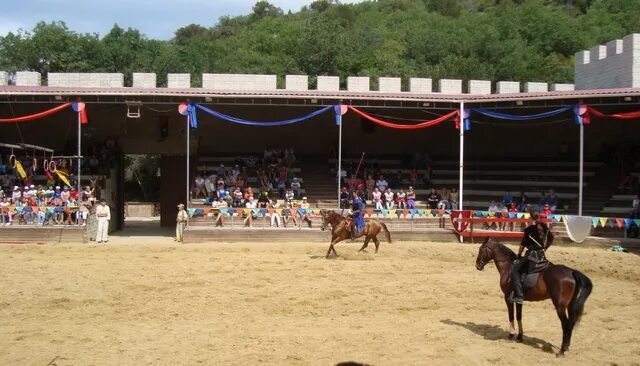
(581, 169)
(461, 173)
(79, 183)
(188, 150)
(339, 118)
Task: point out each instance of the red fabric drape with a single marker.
(424, 124)
(32, 117)
(629, 115)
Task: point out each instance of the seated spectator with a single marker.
(238, 198)
(248, 214)
(217, 214)
(513, 210)
(263, 199)
(281, 187)
(411, 198)
(83, 213)
(493, 212)
(221, 171)
(453, 199)
(288, 215)
(210, 185)
(289, 196)
(240, 182)
(345, 202)
(5, 215)
(377, 198)
(507, 198)
(221, 192)
(382, 184)
(302, 211)
(552, 200)
(296, 187)
(433, 199)
(523, 202)
(546, 210)
(273, 211)
(401, 199)
(388, 199)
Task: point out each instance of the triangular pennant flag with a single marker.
(627, 223)
(619, 223)
(595, 221)
(206, 211)
(405, 212)
(564, 218)
(279, 211)
(191, 211)
(520, 215)
(479, 213)
(256, 211)
(611, 222)
(603, 221)
(420, 212)
(224, 211)
(527, 215)
(491, 214)
(19, 209)
(412, 212)
(50, 209)
(385, 213)
(398, 213)
(512, 215)
(271, 211)
(637, 222)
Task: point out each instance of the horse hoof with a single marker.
(519, 338)
(560, 354)
(511, 336)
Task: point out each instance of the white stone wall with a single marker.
(358, 84)
(4, 78)
(85, 80)
(533, 87)
(328, 83)
(144, 80)
(450, 86)
(179, 81)
(508, 87)
(421, 85)
(253, 82)
(562, 87)
(479, 87)
(390, 85)
(28, 78)
(614, 65)
(297, 82)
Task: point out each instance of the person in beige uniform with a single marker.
(103, 213)
(181, 222)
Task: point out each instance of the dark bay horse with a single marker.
(567, 288)
(340, 230)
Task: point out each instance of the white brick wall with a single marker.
(421, 85)
(4, 78)
(508, 87)
(297, 82)
(328, 83)
(86, 80)
(253, 82)
(358, 84)
(28, 78)
(562, 87)
(479, 87)
(179, 81)
(144, 80)
(390, 85)
(613, 65)
(450, 86)
(533, 87)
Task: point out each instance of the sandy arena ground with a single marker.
(144, 302)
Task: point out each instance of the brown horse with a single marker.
(567, 288)
(340, 230)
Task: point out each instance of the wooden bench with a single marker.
(482, 233)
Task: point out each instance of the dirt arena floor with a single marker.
(143, 302)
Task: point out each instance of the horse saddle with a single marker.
(535, 267)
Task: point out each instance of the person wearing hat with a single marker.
(302, 211)
(16, 196)
(536, 240)
(181, 222)
(103, 213)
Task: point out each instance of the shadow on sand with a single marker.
(495, 333)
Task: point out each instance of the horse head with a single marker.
(329, 218)
(485, 254)
(325, 220)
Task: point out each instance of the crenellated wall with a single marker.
(261, 83)
(614, 65)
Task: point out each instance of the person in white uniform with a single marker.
(181, 222)
(103, 213)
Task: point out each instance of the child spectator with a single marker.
(411, 198)
(401, 199)
(377, 198)
(388, 198)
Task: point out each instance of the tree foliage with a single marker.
(468, 39)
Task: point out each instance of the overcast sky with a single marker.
(157, 19)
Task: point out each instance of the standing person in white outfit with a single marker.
(181, 222)
(103, 213)
(275, 216)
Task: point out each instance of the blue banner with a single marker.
(262, 124)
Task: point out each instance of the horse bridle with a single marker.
(482, 263)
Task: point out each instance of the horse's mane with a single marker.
(503, 249)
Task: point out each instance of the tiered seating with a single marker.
(622, 202)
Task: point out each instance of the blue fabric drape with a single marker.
(515, 117)
(263, 124)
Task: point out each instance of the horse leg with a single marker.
(512, 329)
(519, 318)
(331, 248)
(366, 243)
(567, 329)
(377, 243)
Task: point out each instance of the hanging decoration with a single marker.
(256, 123)
(590, 111)
(33, 117)
(420, 125)
(339, 111)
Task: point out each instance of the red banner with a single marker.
(424, 124)
(629, 115)
(456, 220)
(32, 117)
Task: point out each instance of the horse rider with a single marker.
(357, 207)
(537, 238)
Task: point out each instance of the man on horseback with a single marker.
(357, 207)
(537, 238)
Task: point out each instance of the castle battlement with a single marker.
(614, 65)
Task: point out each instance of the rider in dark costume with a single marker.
(537, 238)
(357, 206)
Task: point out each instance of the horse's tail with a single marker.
(580, 295)
(387, 234)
